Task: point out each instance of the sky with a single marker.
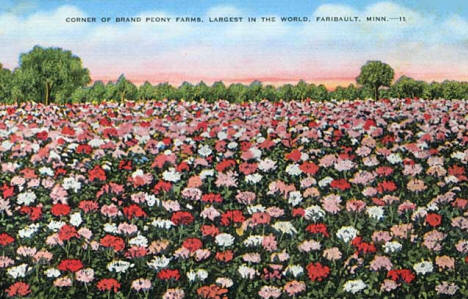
(431, 45)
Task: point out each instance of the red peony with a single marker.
(363, 247)
(134, 211)
(317, 271)
(162, 186)
(341, 184)
(34, 213)
(183, 166)
(84, 148)
(116, 243)
(401, 275)
(319, 228)
(88, 206)
(8, 191)
(211, 198)
(167, 274)
(295, 155)
(433, 219)
(125, 164)
(136, 251)
(209, 230)
(108, 284)
(67, 232)
(71, 265)
(298, 212)
(212, 292)
(225, 164)
(97, 173)
(6, 239)
(18, 289)
(235, 216)
(224, 256)
(42, 135)
(68, 131)
(182, 218)
(248, 168)
(309, 168)
(60, 209)
(192, 244)
(386, 186)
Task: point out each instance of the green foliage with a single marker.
(146, 92)
(55, 75)
(454, 90)
(406, 87)
(6, 80)
(50, 74)
(122, 90)
(375, 74)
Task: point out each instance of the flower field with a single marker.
(261, 200)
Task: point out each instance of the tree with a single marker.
(97, 92)
(121, 90)
(217, 91)
(321, 93)
(254, 91)
(406, 87)
(165, 91)
(80, 95)
(269, 93)
(200, 91)
(285, 92)
(53, 73)
(6, 80)
(300, 90)
(236, 93)
(454, 90)
(351, 92)
(146, 92)
(375, 74)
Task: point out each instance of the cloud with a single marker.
(457, 27)
(21, 7)
(235, 50)
(224, 11)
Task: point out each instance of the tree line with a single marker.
(54, 75)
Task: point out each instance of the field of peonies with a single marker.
(260, 200)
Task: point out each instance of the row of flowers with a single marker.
(260, 200)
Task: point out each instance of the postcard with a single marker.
(233, 149)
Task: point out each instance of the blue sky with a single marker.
(130, 7)
(432, 45)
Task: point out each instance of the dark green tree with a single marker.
(406, 87)
(217, 92)
(236, 93)
(375, 74)
(285, 92)
(121, 90)
(97, 92)
(146, 92)
(6, 81)
(80, 95)
(300, 90)
(254, 91)
(52, 73)
(269, 93)
(201, 91)
(454, 90)
(351, 92)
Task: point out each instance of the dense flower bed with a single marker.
(262, 200)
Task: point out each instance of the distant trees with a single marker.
(53, 75)
(375, 74)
